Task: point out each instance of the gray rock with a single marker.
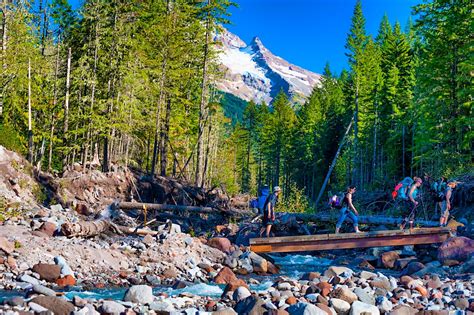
(112, 307)
(359, 308)
(340, 306)
(188, 241)
(41, 289)
(163, 306)
(139, 294)
(230, 262)
(57, 207)
(284, 286)
(365, 295)
(29, 279)
(36, 308)
(301, 308)
(65, 269)
(240, 294)
(88, 310)
(367, 275)
(153, 280)
(384, 304)
(16, 301)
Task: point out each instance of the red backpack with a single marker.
(395, 190)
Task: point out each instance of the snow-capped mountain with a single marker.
(252, 72)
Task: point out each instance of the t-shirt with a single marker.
(272, 200)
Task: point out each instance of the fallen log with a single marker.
(374, 219)
(97, 227)
(165, 207)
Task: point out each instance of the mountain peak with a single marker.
(252, 72)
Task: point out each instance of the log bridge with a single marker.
(317, 242)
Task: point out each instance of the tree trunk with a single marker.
(165, 137)
(203, 107)
(4, 50)
(66, 108)
(30, 130)
(403, 150)
(356, 138)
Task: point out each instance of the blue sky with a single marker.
(309, 33)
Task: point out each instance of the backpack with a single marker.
(395, 190)
(402, 188)
(336, 201)
(440, 196)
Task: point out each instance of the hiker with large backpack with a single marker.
(269, 212)
(411, 203)
(401, 189)
(348, 210)
(446, 203)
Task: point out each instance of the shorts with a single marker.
(444, 210)
(267, 221)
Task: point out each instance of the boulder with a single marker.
(170, 273)
(310, 276)
(65, 269)
(225, 311)
(413, 267)
(41, 289)
(220, 243)
(251, 306)
(259, 264)
(456, 248)
(19, 301)
(225, 276)
(403, 310)
(241, 293)
(6, 246)
(302, 308)
(345, 294)
(87, 310)
(340, 306)
(364, 295)
(56, 305)
(360, 308)
(234, 285)
(384, 304)
(139, 294)
(66, 281)
(387, 259)
(48, 228)
(367, 275)
(112, 307)
(382, 283)
(28, 279)
(48, 272)
(325, 288)
(343, 272)
(461, 304)
(272, 269)
(401, 263)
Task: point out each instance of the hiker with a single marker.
(411, 203)
(438, 188)
(269, 211)
(446, 203)
(348, 210)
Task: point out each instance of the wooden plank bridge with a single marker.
(303, 243)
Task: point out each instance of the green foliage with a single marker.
(295, 201)
(233, 106)
(10, 139)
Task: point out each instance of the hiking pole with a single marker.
(333, 163)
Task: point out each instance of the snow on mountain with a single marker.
(252, 72)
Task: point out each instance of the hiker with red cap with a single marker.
(411, 203)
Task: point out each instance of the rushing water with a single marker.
(291, 265)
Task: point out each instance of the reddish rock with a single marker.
(344, 294)
(2, 260)
(57, 305)
(471, 306)
(6, 246)
(456, 248)
(325, 288)
(291, 300)
(211, 306)
(170, 273)
(48, 272)
(48, 228)
(83, 209)
(220, 243)
(388, 259)
(242, 271)
(11, 262)
(66, 281)
(322, 300)
(234, 285)
(207, 268)
(42, 213)
(39, 234)
(99, 285)
(437, 295)
(272, 269)
(123, 274)
(225, 276)
(310, 276)
(422, 291)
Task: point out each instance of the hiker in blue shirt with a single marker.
(348, 210)
(446, 203)
(411, 203)
(265, 191)
(269, 212)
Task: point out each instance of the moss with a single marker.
(9, 210)
(40, 194)
(17, 244)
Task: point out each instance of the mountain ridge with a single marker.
(252, 72)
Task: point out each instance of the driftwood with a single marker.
(94, 228)
(164, 207)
